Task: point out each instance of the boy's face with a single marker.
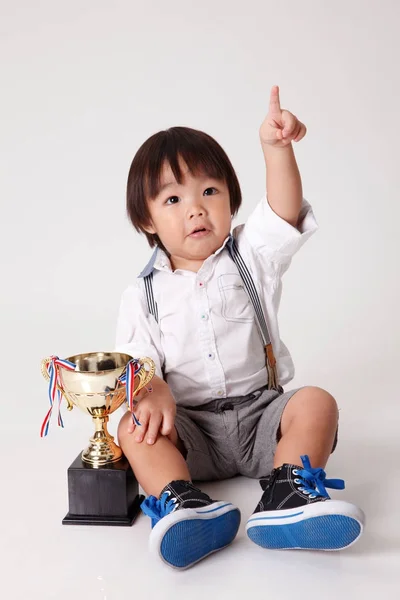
(192, 219)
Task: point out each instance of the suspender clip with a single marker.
(272, 370)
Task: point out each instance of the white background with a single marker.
(83, 84)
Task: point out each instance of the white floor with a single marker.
(43, 559)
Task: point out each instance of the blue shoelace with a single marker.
(157, 509)
(314, 481)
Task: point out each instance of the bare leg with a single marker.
(154, 465)
(308, 426)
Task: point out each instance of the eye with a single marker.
(172, 200)
(210, 191)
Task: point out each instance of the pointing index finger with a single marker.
(274, 102)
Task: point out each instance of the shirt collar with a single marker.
(159, 254)
(149, 268)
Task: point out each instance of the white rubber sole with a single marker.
(186, 536)
(330, 525)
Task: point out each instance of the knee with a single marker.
(311, 405)
(321, 400)
(313, 400)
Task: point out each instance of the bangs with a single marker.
(177, 146)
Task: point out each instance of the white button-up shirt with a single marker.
(206, 343)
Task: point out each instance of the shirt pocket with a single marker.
(236, 305)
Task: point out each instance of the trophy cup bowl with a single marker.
(95, 387)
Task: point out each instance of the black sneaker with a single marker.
(187, 525)
(295, 511)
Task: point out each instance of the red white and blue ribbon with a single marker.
(128, 379)
(54, 392)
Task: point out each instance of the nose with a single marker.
(195, 209)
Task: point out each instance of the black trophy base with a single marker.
(121, 521)
(108, 495)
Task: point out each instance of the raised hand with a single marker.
(280, 127)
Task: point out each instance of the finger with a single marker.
(291, 136)
(131, 422)
(142, 429)
(301, 134)
(274, 102)
(131, 426)
(289, 123)
(154, 427)
(296, 132)
(168, 423)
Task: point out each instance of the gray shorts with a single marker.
(232, 436)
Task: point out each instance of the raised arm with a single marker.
(277, 132)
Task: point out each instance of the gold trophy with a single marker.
(102, 487)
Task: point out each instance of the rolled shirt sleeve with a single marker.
(273, 237)
(138, 333)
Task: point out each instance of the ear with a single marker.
(150, 229)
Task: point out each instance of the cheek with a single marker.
(167, 225)
(224, 216)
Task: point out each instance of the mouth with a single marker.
(199, 232)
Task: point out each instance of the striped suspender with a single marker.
(255, 300)
(248, 282)
(151, 303)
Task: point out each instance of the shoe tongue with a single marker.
(290, 467)
(178, 487)
(283, 472)
(287, 471)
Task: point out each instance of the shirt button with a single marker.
(220, 393)
(201, 284)
(204, 317)
(211, 355)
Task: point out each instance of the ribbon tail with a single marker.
(54, 392)
(135, 420)
(60, 419)
(45, 425)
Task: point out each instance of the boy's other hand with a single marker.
(155, 412)
(280, 127)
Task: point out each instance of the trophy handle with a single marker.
(45, 364)
(145, 376)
